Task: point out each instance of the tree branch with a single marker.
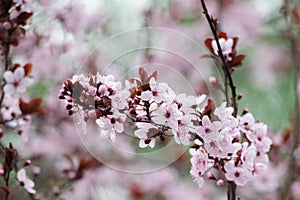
(231, 190)
(224, 64)
(294, 47)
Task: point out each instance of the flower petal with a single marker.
(9, 89)
(142, 144)
(8, 76)
(21, 175)
(19, 73)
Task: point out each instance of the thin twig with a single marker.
(231, 190)
(7, 63)
(295, 45)
(224, 64)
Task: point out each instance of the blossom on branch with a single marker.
(237, 146)
(27, 183)
(16, 81)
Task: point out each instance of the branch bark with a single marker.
(295, 51)
(228, 77)
(231, 190)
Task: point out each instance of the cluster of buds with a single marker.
(14, 15)
(236, 146)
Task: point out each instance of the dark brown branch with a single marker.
(7, 63)
(224, 64)
(231, 190)
(295, 45)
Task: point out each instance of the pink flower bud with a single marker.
(56, 190)
(211, 176)
(27, 163)
(212, 80)
(245, 111)
(71, 175)
(220, 183)
(7, 25)
(36, 170)
(240, 96)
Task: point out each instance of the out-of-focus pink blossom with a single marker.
(27, 183)
(16, 82)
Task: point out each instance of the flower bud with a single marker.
(220, 183)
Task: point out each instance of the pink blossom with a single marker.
(248, 155)
(119, 100)
(271, 181)
(209, 131)
(189, 104)
(110, 125)
(295, 189)
(141, 133)
(239, 175)
(220, 183)
(159, 92)
(226, 46)
(246, 121)
(223, 146)
(199, 160)
(200, 164)
(181, 136)
(27, 183)
(199, 180)
(223, 112)
(168, 113)
(12, 114)
(16, 82)
(260, 138)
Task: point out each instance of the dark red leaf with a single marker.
(27, 69)
(207, 43)
(33, 106)
(153, 75)
(208, 108)
(209, 56)
(296, 15)
(235, 40)
(143, 75)
(222, 35)
(237, 61)
(23, 17)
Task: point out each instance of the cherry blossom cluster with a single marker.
(13, 111)
(97, 97)
(236, 146)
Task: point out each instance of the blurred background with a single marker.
(85, 36)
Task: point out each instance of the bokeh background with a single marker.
(85, 36)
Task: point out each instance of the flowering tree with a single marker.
(236, 146)
(15, 112)
(224, 145)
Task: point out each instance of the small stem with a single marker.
(7, 62)
(224, 63)
(231, 191)
(7, 192)
(295, 45)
